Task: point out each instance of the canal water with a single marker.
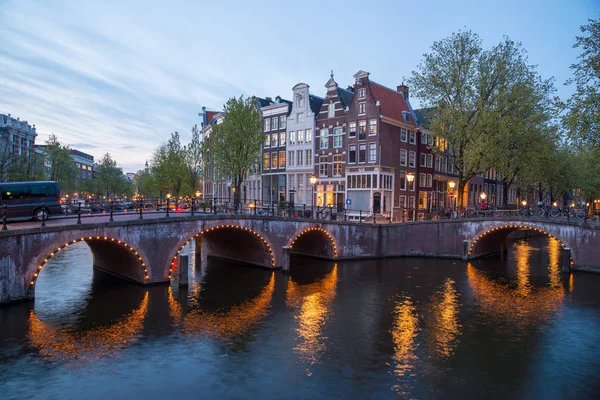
(395, 328)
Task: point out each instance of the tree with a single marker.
(473, 95)
(6, 155)
(109, 178)
(193, 159)
(169, 167)
(236, 143)
(62, 167)
(27, 168)
(582, 117)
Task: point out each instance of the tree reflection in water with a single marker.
(313, 302)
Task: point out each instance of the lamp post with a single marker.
(410, 177)
(524, 203)
(451, 185)
(313, 181)
(168, 199)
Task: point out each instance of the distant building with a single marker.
(16, 137)
(83, 162)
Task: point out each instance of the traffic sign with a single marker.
(348, 202)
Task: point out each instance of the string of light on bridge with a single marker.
(237, 227)
(513, 226)
(89, 238)
(317, 230)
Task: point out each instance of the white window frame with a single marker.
(362, 108)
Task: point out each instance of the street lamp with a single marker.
(524, 202)
(168, 198)
(313, 181)
(410, 177)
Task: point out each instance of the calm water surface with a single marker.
(407, 328)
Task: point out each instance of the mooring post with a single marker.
(184, 262)
(285, 261)
(4, 217)
(465, 249)
(566, 267)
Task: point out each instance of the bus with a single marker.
(38, 200)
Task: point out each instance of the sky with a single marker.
(119, 76)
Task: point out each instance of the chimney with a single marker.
(204, 121)
(350, 88)
(404, 90)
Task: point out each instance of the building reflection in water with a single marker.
(446, 326)
(313, 304)
(404, 335)
(524, 305)
(62, 344)
(237, 320)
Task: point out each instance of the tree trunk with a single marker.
(505, 189)
(460, 194)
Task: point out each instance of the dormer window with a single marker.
(406, 116)
(361, 93)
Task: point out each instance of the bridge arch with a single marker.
(492, 238)
(126, 253)
(237, 229)
(315, 242)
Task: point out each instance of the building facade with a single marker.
(274, 177)
(16, 137)
(84, 163)
(300, 129)
(330, 154)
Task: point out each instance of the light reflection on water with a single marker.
(422, 328)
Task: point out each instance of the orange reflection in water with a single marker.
(58, 344)
(522, 253)
(404, 335)
(554, 267)
(175, 309)
(314, 304)
(238, 320)
(446, 327)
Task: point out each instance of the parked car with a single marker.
(39, 200)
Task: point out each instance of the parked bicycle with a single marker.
(567, 212)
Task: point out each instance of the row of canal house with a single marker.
(361, 143)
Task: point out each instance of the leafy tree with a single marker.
(27, 168)
(7, 158)
(110, 179)
(236, 143)
(582, 119)
(62, 167)
(146, 184)
(169, 167)
(193, 159)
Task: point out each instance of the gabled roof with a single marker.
(424, 116)
(393, 104)
(315, 103)
(210, 115)
(263, 102)
(345, 96)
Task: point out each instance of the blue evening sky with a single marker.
(119, 76)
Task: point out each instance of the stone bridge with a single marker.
(143, 251)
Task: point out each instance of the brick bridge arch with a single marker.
(314, 242)
(491, 238)
(110, 254)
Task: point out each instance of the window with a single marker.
(411, 159)
(403, 156)
(292, 137)
(422, 180)
(402, 201)
(300, 117)
(337, 137)
(362, 130)
(282, 159)
(291, 158)
(337, 165)
(330, 110)
(423, 138)
(300, 100)
(275, 123)
(299, 153)
(429, 160)
(402, 134)
(352, 129)
(362, 153)
(361, 93)
(267, 124)
(402, 180)
(273, 140)
(324, 142)
(411, 202)
(273, 160)
(429, 140)
(445, 164)
(429, 180)
(282, 122)
(352, 154)
(412, 139)
(323, 166)
(373, 127)
(266, 161)
(437, 163)
(372, 152)
(308, 135)
(362, 108)
(308, 157)
(406, 116)
(267, 140)
(300, 136)
(422, 199)
(282, 139)
(423, 158)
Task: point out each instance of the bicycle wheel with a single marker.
(555, 213)
(564, 213)
(580, 214)
(522, 212)
(540, 212)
